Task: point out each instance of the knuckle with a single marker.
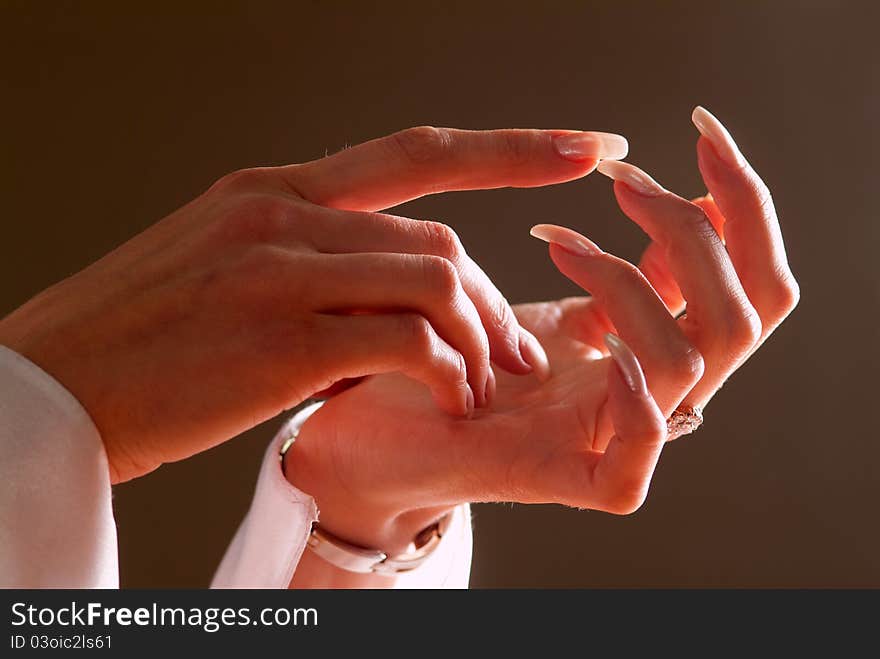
(243, 179)
(251, 280)
(257, 219)
(686, 365)
(422, 144)
(785, 295)
(440, 276)
(419, 333)
(763, 196)
(752, 327)
(264, 262)
(743, 331)
(517, 147)
(501, 315)
(443, 241)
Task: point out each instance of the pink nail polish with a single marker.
(629, 366)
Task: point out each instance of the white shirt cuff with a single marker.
(273, 535)
(56, 518)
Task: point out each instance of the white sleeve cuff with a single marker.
(56, 518)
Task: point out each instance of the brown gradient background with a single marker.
(114, 114)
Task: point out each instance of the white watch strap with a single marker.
(359, 559)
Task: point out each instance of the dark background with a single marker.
(114, 114)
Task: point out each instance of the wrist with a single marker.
(389, 529)
(368, 517)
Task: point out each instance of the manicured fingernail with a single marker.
(469, 402)
(533, 352)
(632, 176)
(491, 384)
(568, 239)
(591, 145)
(627, 363)
(714, 131)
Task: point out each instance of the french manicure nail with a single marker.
(714, 131)
(632, 176)
(566, 238)
(591, 145)
(533, 352)
(627, 363)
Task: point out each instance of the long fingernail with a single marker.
(627, 363)
(632, 176)
(591, 145)
(533, 352)
(568, 239)
(714, 131)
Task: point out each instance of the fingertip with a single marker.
(459, 404)
(569, 239)
(478, 385)
(469, 402)
(590, 146)
(631, 178)
(635, 415)
(534, 354)
(717, 135)
(491, 387)
(627, 364)
(505, 349)
(513, 362)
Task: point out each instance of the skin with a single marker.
(383, 463)
(281, 282)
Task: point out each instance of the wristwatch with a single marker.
(360, 559)
(354, 558)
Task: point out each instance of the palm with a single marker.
(531, 430)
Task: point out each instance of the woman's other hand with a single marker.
(278, 282)
(382, 463)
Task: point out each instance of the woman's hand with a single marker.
(278, 282)
(382, 463)
(721, 259)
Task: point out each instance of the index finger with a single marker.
(425, 160)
